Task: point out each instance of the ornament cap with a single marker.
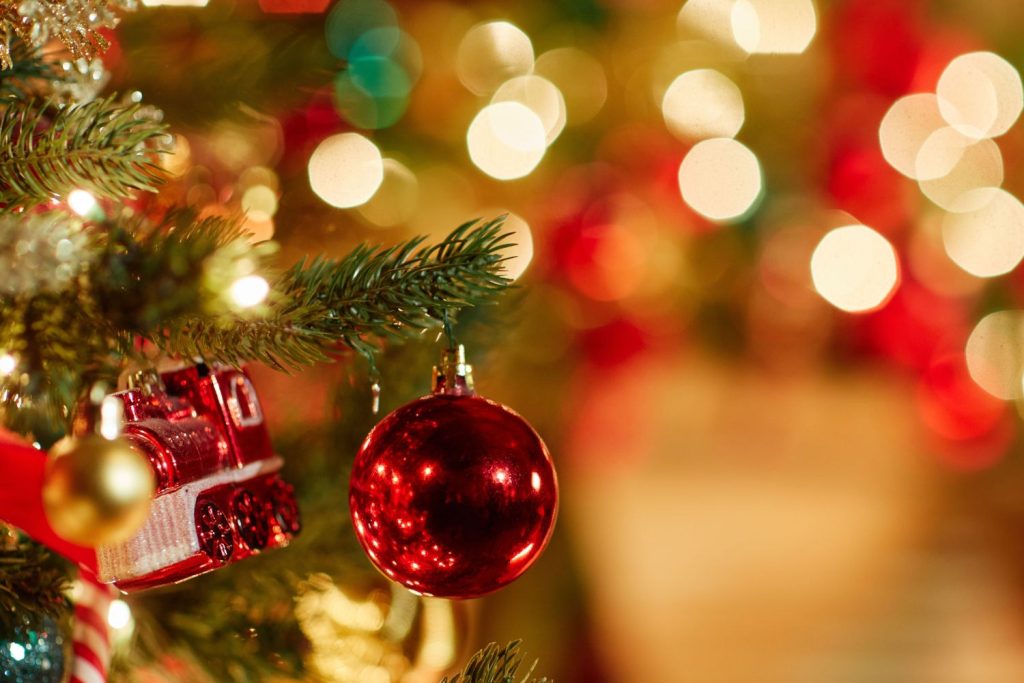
(453, 376)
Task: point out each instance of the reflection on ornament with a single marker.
(96, 490)
(377, 631)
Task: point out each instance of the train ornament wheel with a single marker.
(251, 519)
(216, 537)
(286, 510)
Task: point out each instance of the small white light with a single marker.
(81, 202)
(249, 291)
(111, 417)
(119, 614)
(7, 364)
(17, 651)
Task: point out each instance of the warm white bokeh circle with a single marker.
(720, 179)
(854, 268)
(773, 26)
(703, 103)
(345, 170)
(980, 94)
(988, 241)
(490, 54)
(506, 140)
(540, 96)
(904, 129)
(995, 353)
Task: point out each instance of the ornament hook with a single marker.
(453, 376)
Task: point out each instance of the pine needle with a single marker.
(495, 664)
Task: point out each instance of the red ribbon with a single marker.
(21, 502)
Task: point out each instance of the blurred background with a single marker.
(768, 322)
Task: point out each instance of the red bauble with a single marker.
(453, 495)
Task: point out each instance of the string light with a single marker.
(854, 268)
(703, 103)
(119, 615)
(995, 353)
(492, 53)
(720, 179)
(988, 241)
(906, 126)
(540, 96)
(249, 291)
(345, 170)
(506, 140)
(980, 94)
(81, 202)
(769, 26)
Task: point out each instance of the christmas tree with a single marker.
(750, 267)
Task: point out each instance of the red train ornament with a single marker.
(219, 497)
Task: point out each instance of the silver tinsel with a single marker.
(41, 252)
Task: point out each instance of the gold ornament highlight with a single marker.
(96, 490)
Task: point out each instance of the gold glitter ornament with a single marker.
(75, 23)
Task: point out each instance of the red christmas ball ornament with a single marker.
(453, 495)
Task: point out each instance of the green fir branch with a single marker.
(101, 146)
(495, 664)
(32, 584)
(369, 295)
(30, 73)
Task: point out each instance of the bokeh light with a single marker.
(995, 353)
(540, 96)
(980, 94)
(345, 170)
(720, 179)
(81, 202)
(959, 174)
(248, 291)
(396, 199)
(988, 241)
(348, 21)
(703, 103)
(520, 255)
(579, 77)
(8, 363)
(904, 129)
(492, 53)
(259, 202)
(770, 26)
(711, 18)
(854, 268)
(506, 140)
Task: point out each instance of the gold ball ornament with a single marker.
(96, 490)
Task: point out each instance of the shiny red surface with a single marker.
(209, 421)
(453, 496)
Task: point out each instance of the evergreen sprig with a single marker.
(370, 294)
(495, 664)
(30, 72)
(100, 146)
(32, 583)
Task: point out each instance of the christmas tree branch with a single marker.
(101, 146)
(495, 664)
(75, 313)
(371, 293)
(32, 583)
(29, 73)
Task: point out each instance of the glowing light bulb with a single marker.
(995, 353)
(345, 170)
(720, 179)
(81, 202)
(119, 614)
(249, 291)
(8, 363)
(980, 94)
(854, 268)
(506, 140)
(703, 103)
(988, 241)
(770, 26)
(490, 54)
